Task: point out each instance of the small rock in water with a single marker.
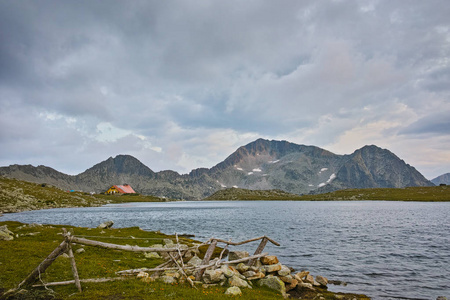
(322, 280)
(441, 298)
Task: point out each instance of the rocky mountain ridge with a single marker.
(443, 179)
(260, 165)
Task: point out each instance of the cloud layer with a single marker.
(181, 85)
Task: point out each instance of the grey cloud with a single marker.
(171, 70)
(436, 124)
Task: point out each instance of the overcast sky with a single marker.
(182, 84)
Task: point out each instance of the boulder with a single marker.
(269, 260)
(304, 285)
(249, 274)
(80, 250)
(213, 276)
(105, 225)
(233, 291)
(323, 281)
(242, 268)
(151, 255)
(168, 242)
(233, 255)
(272, 268)
(227, 271)
(285, 271)
(6, 234)
(274, 283)
(309, 279)
(236, 281)
(258, 275)
(195, 261)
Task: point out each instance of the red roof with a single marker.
(125, 189)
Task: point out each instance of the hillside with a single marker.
(17, 195)
(244, 194)
(429, 194)
(260, 165)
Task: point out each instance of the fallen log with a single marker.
(95, 280)
(121, 247)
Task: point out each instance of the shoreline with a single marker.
(48, 236)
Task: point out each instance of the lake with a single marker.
(386, 250)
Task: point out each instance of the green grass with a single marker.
(21, 255)
(244, 194)
(428, 194)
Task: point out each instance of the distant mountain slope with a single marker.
(445, 179)
(260, 165)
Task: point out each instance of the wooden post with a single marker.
(259, 250)
(74, 269)
(72, 261)
(205, 261)
(43, 265)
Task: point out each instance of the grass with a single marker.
(33, 243)
(427, 194)
(21, 255)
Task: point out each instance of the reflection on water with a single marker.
(386, 250)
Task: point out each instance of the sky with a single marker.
(182, 84)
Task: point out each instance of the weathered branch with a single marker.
(248, 241)
(119, 247)
(95, 280)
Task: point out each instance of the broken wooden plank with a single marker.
(206, 258)
(258, 250)
(120, 247)
(94, 280)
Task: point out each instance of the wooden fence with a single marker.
(174, 254)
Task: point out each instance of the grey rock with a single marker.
(213, 276)
(274, 283)
(239, 282)
(234, 255)
(233, 291)
(106, 225)
(5, 233)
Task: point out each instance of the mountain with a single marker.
(443, 179)
(260, 165)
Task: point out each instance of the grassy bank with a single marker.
(17, 195)
(33, 243)
(21, 255)
(428, 194)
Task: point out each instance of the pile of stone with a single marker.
(266, 271)
(5, 233)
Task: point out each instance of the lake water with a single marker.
(386, 250)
